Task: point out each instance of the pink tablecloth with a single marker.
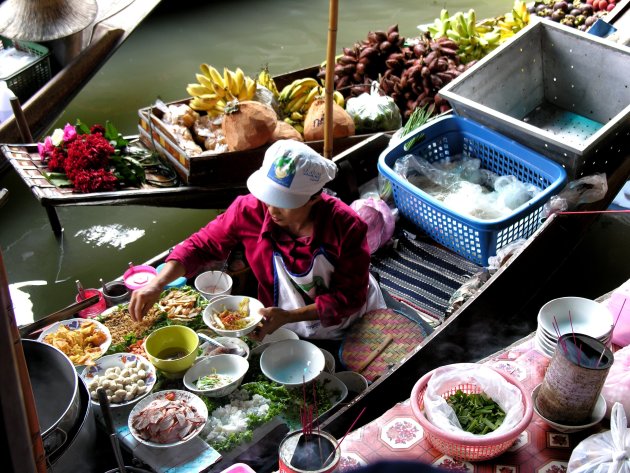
(398, 435)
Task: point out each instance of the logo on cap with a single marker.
(282, 170)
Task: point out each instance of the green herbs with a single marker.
(418, 118)
(477, 413)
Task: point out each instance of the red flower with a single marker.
(92, 180)
(87, 152)
(56, 160)
(100, 129)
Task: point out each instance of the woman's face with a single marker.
(291, 218)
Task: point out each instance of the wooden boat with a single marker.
(43, 108)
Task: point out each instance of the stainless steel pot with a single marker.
(80, 452)
(56, 391)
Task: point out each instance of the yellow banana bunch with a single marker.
(514, 21)
(475, 40)
(297, 97)
(213, 89)
(265, 79)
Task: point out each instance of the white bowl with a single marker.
(587, 317)
(233, 366)
(120, 360)
(213, 283)
(355, 382)
(232, 303)
(329, 361)
(596, 416)
(292, 362)
(178, 395)
(76, 324)
(279, 334)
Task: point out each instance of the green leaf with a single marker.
(82, 128)
(113, 136)
(58, 179)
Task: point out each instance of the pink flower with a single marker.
(45, 148)
(69, 133)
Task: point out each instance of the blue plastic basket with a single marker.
(475, 239)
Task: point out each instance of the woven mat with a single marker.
(367, 334)
(423, 275)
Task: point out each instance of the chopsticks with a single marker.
(377, 351)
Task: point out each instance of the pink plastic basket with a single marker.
(466, 448)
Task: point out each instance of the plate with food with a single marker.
(167, 418)
(233, 316)
(126, 378)
(83, 341)
(125, 331)
(182, 304)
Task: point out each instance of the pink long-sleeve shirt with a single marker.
(338, 230)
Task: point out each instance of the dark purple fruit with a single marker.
(557, 15)
(575, 12)
(586, 9)
(540, 7)
(564, 6)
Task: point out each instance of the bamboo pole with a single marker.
(330, 78)
(19, 414)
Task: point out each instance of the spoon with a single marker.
(230, 350)
(109, 424)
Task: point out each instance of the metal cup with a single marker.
(115, 293)
(574, 379)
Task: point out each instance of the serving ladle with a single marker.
(230, 350)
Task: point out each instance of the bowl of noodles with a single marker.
(233, 316)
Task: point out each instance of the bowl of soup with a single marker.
(172, 349)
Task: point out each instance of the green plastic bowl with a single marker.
(172, 349)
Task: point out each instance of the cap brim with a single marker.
(273, 194)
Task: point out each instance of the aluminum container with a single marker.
(557, 90)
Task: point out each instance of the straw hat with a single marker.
(45, 20)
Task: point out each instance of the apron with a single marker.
(292, 291)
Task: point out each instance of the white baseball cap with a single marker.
(290, 174)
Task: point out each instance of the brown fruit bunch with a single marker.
(365, 61)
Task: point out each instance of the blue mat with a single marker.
(422, 275)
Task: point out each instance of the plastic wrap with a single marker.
(505, 394)
(464, 187)
(374, 112)
(585, 190)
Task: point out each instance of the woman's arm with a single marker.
(143, 299)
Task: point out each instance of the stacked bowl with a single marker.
(572, 315)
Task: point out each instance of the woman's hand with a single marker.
(143, 299)
(273, 319)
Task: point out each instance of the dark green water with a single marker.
(159, 60)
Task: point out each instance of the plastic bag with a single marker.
(379, 218)
(374, 112)
(585, 190)
(505, 394)
(617, 385)
(504, 254)
(606, 452)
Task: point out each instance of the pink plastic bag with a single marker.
(619, 307)
(379, 218)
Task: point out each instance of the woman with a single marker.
(307, 250)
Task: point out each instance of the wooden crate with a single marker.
(206, 169)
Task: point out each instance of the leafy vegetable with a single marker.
(212, 381)
(418, 118)
(477, 413)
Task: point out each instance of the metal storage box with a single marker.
(557, 90)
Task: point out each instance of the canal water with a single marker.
(158, 61)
